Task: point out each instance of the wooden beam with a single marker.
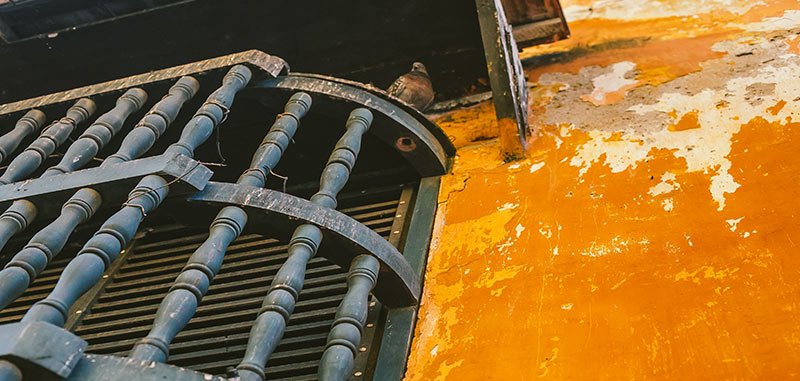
(505, 77)
(264, 65)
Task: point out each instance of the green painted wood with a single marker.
(400, 322)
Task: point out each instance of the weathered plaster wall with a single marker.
(651, 232)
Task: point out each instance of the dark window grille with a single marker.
(128, 279)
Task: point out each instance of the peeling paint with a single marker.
(611, 87)
(649, 237)
(790, 19)
(666, 185)
(652, 9)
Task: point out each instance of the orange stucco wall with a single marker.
(651, 231)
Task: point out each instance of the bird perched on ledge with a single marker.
(414, 87)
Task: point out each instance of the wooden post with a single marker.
(506, 78)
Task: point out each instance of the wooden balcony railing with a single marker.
(67, 195)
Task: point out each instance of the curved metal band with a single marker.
(398, 285)
(432, 148)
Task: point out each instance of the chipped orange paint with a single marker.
(656, 60)
(687, 122)
(610, 97)
(543, 269)
(774, 110)
(540, 97)
(470, 124)
(530, 264)
(794, 44)
(663, 48)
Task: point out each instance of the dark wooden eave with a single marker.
(367, 41)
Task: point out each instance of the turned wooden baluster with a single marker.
(282, 296)
(345, 336)
(81, 152)
(191, 285)
(30, 123)
(26, 265)
(91, 141)
(51, 138)
(104, 247)
(9, 371)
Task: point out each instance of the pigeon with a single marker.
(414, 87)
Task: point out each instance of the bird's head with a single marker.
(419, 67)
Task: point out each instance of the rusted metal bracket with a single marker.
(112, 181)
(506, 78)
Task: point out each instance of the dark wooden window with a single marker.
(336, 165)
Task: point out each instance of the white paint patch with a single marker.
(617, 245)
(536, 167)
(789, 20)
(652, 9)
(666, 185)
(566, 306)
(704, 149)
(503, 247)
(508, 206)
(667, 204)
(733, 222)
(611, 82)
(546, 232)
(514, 166)
(519, 229)
(620, 155)
(435, 350)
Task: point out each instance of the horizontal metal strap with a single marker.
(113, 182)
(100, 367)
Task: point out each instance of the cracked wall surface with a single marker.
(651, 230)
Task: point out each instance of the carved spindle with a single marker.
(30, 123)
(285, 289)
(116, 233)
(26, 265)
(83, 150)
(98, 253)
(22, 212)
(152, 125)
(345, 335)
(193, 282)
(9, 371)
(51, 138)
(15, 219)
(212, 112)
(275, 142)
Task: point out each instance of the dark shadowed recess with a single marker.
(370, 41)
